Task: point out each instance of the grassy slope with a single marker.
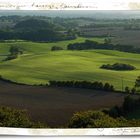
(71, 65)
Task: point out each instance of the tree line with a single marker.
(88, 45)
(83, 84)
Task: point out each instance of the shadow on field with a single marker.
(55, 105)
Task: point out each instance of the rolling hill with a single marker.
(38, 64)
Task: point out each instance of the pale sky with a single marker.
(70, 1)
(102, 4)
(73, 1)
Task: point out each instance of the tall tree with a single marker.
(137, 82)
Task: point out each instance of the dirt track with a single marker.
(55, 105)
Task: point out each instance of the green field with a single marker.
(38, 64)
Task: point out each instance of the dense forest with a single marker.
(34, 29)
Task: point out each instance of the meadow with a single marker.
(39, 64)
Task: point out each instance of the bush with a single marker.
(56, 48)
(10, 57)
(137, 82)
(93, 119)
(129, 104)
(15, 50)
(133, 90)
(106, 119)
(115, 117)
(127, 90)
(115, 112)
(10, 117)
(108, 87)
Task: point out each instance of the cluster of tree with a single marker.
(136, 87)
(137, 82)
(115, 117)
(129, 105)
(92, 119)
(10, 57)
(83, 84)
(14, 52)
(56, 48)
(35, 30)
(131, 91)
(118, 66)
(99, 119)
(88, 44)
(10, 117)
